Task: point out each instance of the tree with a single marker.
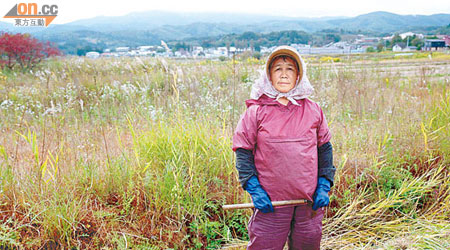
(417, 42)
(396, 39)
(207, 43)
(23, 50)
(248, 36)
(444, 30)
(370, 50)
(331, 38)
(180, 45)
(380, 47)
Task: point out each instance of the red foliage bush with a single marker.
(23, 50)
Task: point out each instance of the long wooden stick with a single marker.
(274, 204)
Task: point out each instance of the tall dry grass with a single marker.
(136, 153)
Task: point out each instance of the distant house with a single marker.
(446, 38)
(145, 48)
(406, 34)
(437, 44)
(198, 51)
(106, 54)
(122, 49)
(222, 51)
(397, 48)
(93, 54)
(182, 53)
(370, 39)
(132, 53)
(265, 50)
(146, 53)
(197, 48)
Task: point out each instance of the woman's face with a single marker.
(283, 74)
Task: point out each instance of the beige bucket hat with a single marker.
(287, 51)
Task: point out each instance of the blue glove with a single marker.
(320, 197)
(260, 197)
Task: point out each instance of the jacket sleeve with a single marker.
(244, 142)
(323, 132)
(246, 130)
(326, 168)
(245, 165)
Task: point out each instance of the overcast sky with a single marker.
(80, 9)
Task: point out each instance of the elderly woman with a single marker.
(283, 153)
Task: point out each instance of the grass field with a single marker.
(136, 153)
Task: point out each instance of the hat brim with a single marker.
(288, 52)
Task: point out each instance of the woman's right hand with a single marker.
(260, 197)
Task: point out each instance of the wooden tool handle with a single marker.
(274, 204)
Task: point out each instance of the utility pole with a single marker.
(233, 50)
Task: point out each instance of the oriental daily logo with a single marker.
(30, 15)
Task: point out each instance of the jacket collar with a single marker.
(265, 100)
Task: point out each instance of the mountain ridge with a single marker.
(137, 28)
